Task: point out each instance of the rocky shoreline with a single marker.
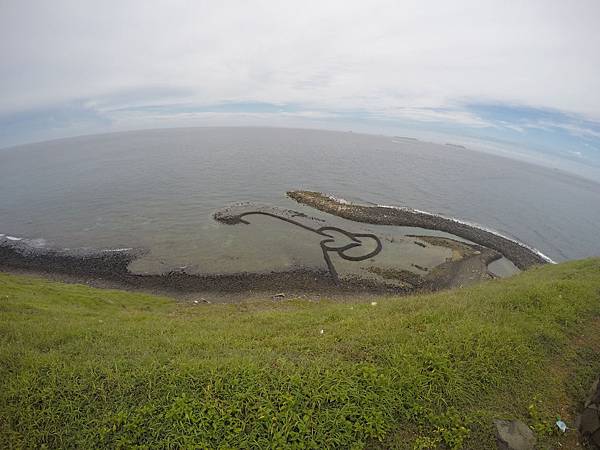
(521, 256)
(111, 268)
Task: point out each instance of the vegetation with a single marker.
(89, 368)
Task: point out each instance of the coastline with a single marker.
(110, 268)
(519, 254)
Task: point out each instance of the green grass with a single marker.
(89, 368)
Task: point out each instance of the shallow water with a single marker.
(158, 190)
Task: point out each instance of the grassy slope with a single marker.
(82, 367)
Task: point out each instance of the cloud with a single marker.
(590, 131)
(344, 54)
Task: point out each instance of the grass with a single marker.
(89, 368)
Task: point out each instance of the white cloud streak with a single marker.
(572, 129)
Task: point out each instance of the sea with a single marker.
(158, 190)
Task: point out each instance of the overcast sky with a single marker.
(515, 73)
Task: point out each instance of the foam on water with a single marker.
(546, 258)
(339, 200)
(40, 243)
(471, 224)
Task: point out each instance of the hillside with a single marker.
(89, 368)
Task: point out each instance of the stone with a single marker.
(589, 422)
(594, 397)
(595, 439)
(513, 435)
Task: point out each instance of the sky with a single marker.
(512, 76)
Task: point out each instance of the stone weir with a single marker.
(522, 256)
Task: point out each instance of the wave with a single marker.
(40, 243)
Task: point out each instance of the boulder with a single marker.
(594, 394)
(513, 435)
(595, 439)
(589, 421)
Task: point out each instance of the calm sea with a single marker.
(158, 190)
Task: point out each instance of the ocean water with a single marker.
(158, 190)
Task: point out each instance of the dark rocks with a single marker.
(112, 267)
(595, 439)
(589, 421)
(594, 397)
(98, 263)
(513, 435)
